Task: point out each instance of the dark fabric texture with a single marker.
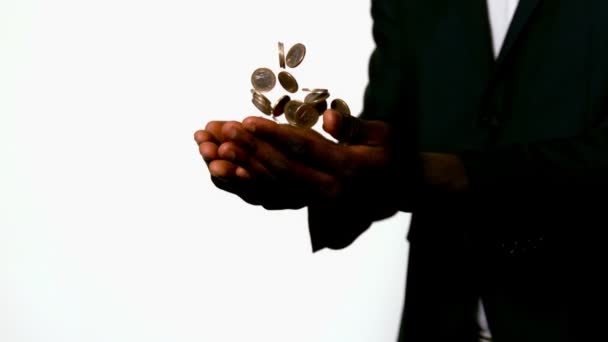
(532, 130)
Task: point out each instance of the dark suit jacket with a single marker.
(532, 131)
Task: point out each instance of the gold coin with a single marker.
(281, 55)
(263, 79)
(315, 90)
(321, 106)
(340, 106)
(279, 106)
(288, 82)
(316, 97)
(306, 116)
(295, 55)
(290, 111)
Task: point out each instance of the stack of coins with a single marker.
(297, 112)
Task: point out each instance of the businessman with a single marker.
(485, 119)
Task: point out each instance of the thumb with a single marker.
(352, 130)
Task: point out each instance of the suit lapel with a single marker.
(477, 28)
(522, 15)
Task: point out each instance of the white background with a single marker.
(110, 229)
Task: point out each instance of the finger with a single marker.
(208, 151)
(277, 163)
(241, 149)
(231, 129)
(306, 144)
(333, 123)
(214, 128)
(352, 130)
(223, 169)
(232, 152)
(250, 166)
(236, 133)
(202, 136)
(278, 166)
(243, 173)
(274, 159)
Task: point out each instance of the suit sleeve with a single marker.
(337, 225)
(540, 190)
(560, 165)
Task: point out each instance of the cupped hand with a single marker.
(225, 160)
(280, 166)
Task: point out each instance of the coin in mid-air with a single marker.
(320, 106)
(261, 102)
(315, 90)
(281, 55)
(340, 106)
(263, 79)
(316, 97)
(279, 106)
(290, 110)
(306, 116)
(295, 55)
(288, 82)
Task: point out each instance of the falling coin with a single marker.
(316, 97)
(315, 90)
(306, 116)
(321, 106)
(279, 106)
(261, 99)
(281, 55)
(300, 113)
(263, 79)
(261, 102)
(288, 82)
(259, 96)
(295, 55)
(266, 109)
(290, 111)
(340, 106)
